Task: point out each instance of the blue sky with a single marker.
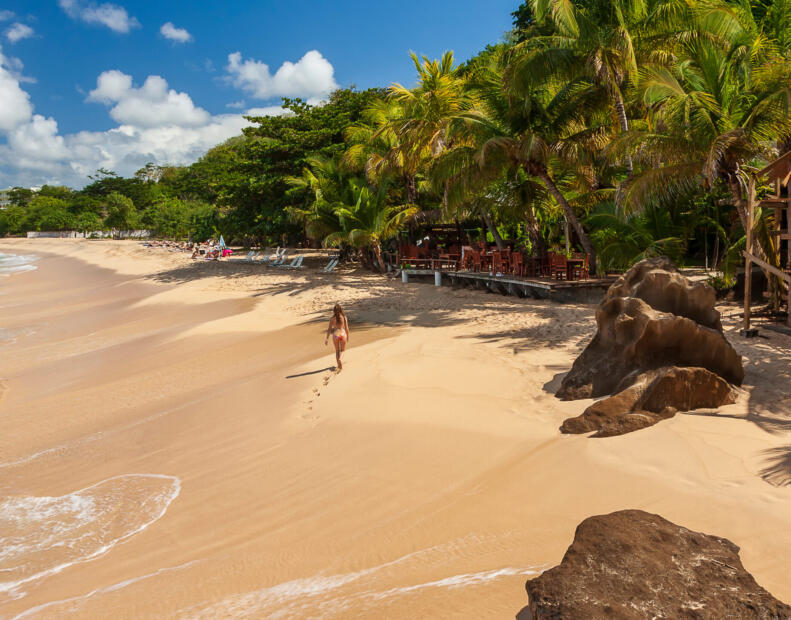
(62, 119)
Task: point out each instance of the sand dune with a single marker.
(428, 479)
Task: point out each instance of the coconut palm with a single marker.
(714, 111)
(367, 220)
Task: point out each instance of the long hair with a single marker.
(337, 311)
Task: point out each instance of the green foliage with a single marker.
(121, 213)
(12, 220)
(48, 213)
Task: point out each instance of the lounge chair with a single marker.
(296, 263)
(330, 266)
(279, 260)
(249, 257)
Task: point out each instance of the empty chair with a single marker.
(280, 259)
(294, 264)
(330, 265)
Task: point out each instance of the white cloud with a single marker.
(236, 105)
(151, 105)
(113, 16)
(18, 31)
(35, 153)
(6, 15)
(16, 108)
(179, 35)
(311, 76)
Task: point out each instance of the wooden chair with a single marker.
(475, 261)
(498, 266)
(558, 269)
(580, 270)
(517, 264)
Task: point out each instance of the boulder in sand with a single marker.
(634, 565)
(646, 398)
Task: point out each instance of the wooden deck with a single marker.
(582, 291)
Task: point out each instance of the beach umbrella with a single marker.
(221, 244)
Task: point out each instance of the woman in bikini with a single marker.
(339, 328)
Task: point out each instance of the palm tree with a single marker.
(524, 128)
(592, 45)
(368, 220)
(714, 110)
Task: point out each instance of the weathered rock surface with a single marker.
(644, 399)
(634, 565)
(651, 318)
(658, 283)
(632, 336)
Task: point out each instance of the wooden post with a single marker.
(748, 265)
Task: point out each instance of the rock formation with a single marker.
(632, 564)
(650, 397)
(658, 337)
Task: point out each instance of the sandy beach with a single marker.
(176, 445)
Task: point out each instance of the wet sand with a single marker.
(175, 445)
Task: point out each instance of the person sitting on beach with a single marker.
(339, 328)
(196, 252)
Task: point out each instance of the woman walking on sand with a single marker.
(339, 328)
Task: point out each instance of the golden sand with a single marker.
(175, 445)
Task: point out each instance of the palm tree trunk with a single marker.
(570, 216)
(738, 201)
(620, 110)
(378, 252)
(411, 188)
(493, 229)
(534, 232)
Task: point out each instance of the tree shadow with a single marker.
(777, 471)
(768, 368)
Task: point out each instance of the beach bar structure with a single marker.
(778, 173)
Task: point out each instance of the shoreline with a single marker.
(302, 489)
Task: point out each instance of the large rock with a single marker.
(651, 317)
(635, 565)
(645, 399)
(658, 283)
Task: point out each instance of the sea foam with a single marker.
(41, 536)
(14, 263)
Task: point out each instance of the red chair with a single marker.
(558, 269)
(579, 268)
(475, 261)
(498, 266)
(517, 264)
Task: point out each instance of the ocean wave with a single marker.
(41, 536)
(15, 263)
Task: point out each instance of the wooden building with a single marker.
(778, 173)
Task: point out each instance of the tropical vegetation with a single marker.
(624, 128)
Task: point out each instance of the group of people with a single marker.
(210, 250)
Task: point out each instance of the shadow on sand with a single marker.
(311, 372)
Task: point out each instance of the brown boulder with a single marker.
(632, 336)
(647, 398)
(651, 317)
(658, 283)
(634, 565)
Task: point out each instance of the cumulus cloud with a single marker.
(17, 32)
(35, 153)
(113, 16)
(179, 35)
(311, 76)
(151, 105)
(16, 108)
(6, 15)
